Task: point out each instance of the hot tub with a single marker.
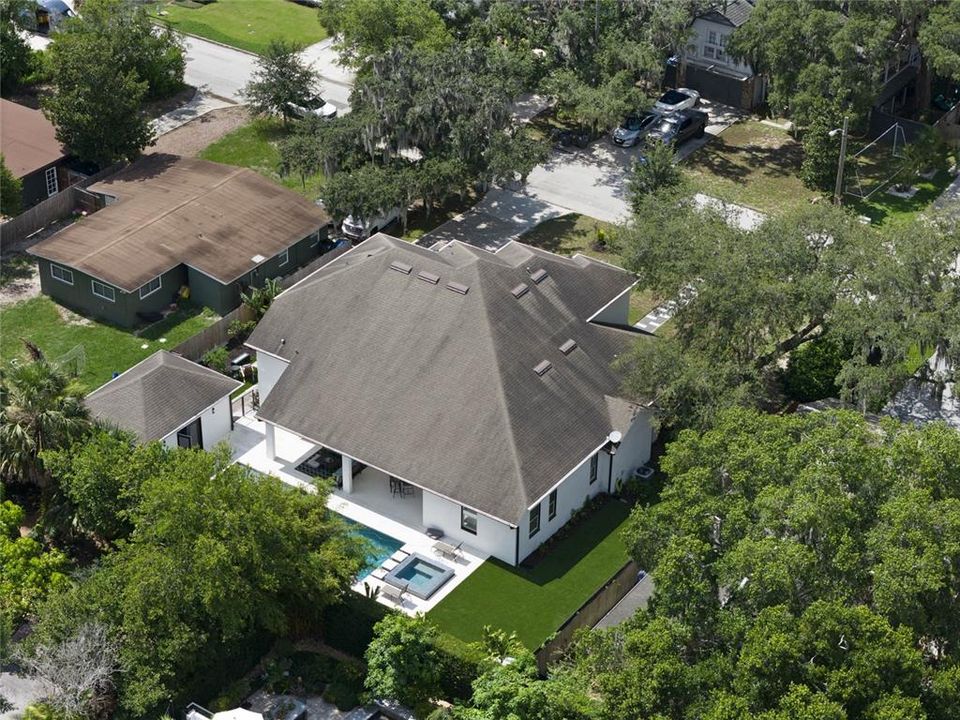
(422, 576)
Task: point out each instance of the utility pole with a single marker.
(838, 190)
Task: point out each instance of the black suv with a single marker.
(679, 127)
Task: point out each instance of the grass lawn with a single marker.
(418, 224)
(107, 349)
(750, 164)
(572, 234)
(885, 209)
(254, 146)
(245, 24)
(535, 602)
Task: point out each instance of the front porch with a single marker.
(367, 498)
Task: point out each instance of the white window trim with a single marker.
(708, 51)
(552, 503)
(284, 257)
(51, 174)
(712, 37)
(93, 289)
(159, 279)
(531, 530)
(464, 512)
(68, 271)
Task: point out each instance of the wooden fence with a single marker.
(588, 614)
(193, 348)
(15, 234)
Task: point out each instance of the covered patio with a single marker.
(369, 497)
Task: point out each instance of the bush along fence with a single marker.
(589, 614)
(16, 233)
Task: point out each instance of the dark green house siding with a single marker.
(204, 290)
(123, 311)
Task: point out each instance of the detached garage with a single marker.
(167, 397)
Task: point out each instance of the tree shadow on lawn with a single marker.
(160, 328)
(549, 235)
(738, 162)
(566, 554)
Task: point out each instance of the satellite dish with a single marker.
(615, 437)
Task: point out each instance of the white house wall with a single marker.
(214, 425)
(700, 39)
(493, 537)
(269, 370)
(617, 312)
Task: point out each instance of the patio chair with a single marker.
(394, 593)
(447, 550)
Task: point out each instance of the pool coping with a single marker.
(446, 574)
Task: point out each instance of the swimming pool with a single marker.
(420, 575)
(380, 548)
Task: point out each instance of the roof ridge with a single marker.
(501, 394)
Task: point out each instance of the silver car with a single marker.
(674, 100)
(315, 106)
(634, 128)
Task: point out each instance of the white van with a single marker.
(357, 229)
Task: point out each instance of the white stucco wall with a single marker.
(573, 492)
(700, 38)
(492, 536)
(269, 370)
(617, 312)
(214, 425)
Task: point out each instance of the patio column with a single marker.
(346, 470)
(271, 441)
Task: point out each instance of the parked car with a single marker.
(679, 99)
(679, 127)
(634, 128)
(358, 229)
(315, 106)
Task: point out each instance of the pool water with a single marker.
(380, 546)
(418, 574)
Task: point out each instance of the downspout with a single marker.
(516, 552)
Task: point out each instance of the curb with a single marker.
(160, 21)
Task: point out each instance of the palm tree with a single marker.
(41, 408)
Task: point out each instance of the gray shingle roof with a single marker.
(438, 387)
(733, 12)
(159, 395)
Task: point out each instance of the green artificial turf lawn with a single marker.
(534, 603)
(254, 146)
(246, 24)
(107, 349)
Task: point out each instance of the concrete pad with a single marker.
(199, 105)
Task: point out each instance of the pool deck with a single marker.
(369, 504)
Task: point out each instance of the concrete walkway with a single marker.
(501, 216)
(199, 105)
(636, 598)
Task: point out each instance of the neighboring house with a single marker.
(169, 398)
(706, 66)
(175, 226)
(28, 142)
(486, 381)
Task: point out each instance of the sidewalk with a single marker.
(199, 105)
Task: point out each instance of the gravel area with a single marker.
(189, 139)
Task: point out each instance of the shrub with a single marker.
(654, 171)
(812, 370)
(217, 359)
(346, 686)
(821, 153)
(348, 626)
(241, 328)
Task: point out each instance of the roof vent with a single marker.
(428, 277)
(458, 288)
(542, 367)
(568, 347)
(539, 276)
(520, 290)
(401, 267)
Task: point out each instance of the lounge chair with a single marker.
(447, 550)
(393, 593)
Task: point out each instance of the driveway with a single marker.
(20, 691)
(593, 181)
(501, 216)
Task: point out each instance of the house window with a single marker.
(61, 274)
(594, 464)
(102, 290)
(712, 37)
(284, 257)
(552, 506)
(150, 288)
(468, 520)
(707, 51)
(52, 186)
(535, 520)
(721, 56)
(723, 40)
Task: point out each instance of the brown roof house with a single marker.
(482, 385)
(30, 148)
(170, 222)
